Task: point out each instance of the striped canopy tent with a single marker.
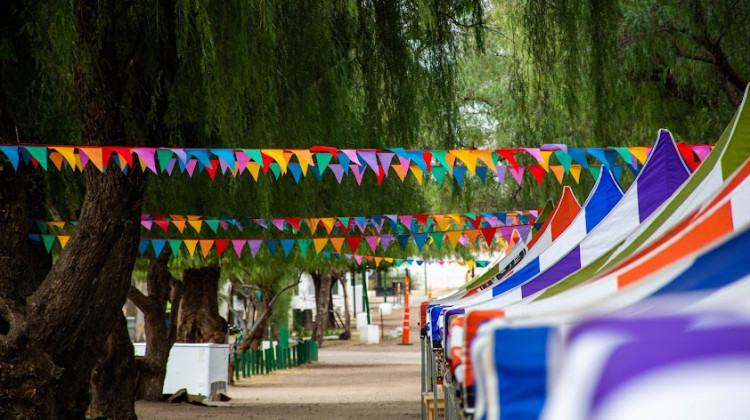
(658, 258)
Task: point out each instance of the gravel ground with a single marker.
(350, 381)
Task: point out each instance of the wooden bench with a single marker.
(429, 402)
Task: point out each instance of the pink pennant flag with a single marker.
(358, 174)
(507, 232)
(254, 245)
(147, 224)
(404, 161)
(463, 240)
(517, 174)
(191, 167)
(238, 244)
(242, 160)
(279, 223)
(358, 258)
(533, 151)
(702, 151)
(147, 156)
(372, 241)
(352, 155)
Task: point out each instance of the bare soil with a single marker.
(350, 381)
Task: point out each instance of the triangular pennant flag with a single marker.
(254, 245)
(158, 245)
(39, 154)
(417, 172)
(337, 242)
(559, 171)
(56, 159)
(338, 171)
(385, 159)
(163, 224)
(196, 224)
(305, 159)
(458, 174)
(378, 260)
(420, 239)
(372, 241)
(226, 158)
(370, 158)
(287, 245)
(275, 170)
(206, 245)
(440, 157)
(517, 174)
(358, 173)
(353, 242)
(278, 156)
(69, 154)
(489, 234)
(507, 154)
(254, 169)
(486, 156)
(538, 173)
(401, 171)
(579, 155)
(439, 173)
(323, 159)
(296, 171)
(437, 238)
(472, 234)
(406, 220)
(385, 240)
(304, 244)
(213, 224)
(575, 170)
(564, 159)
(272, 245)
(164, 156)
(319, 243)
(403, 240)
(467, 157)
(221, 245)
(606, 156)
(482, 173)
(278, 223)
(617, 172)
(328, 223)
(11, 152)
(174, 245)
(500, 173)
(142, 245)
(453, 237)
(94, 155)
(190, 244)
(48, 241)
(595, 171)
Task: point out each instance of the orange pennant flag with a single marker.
(206, 245)
(312, 224)
(56, 159)
(319, 243)
(575, 170)
(486, 157)
(68, 153)
(559, 171)
(95, 156)
(400, 171)
(453, 237)
(468, 158)
(179, 224)
(190, 244)
(337, 242)
(304, 156)
(378, 260)
(472, 234)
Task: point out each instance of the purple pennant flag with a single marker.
(358, 173)
(500, 175)
(369, 157)
(338, 171)
(385, 240)
(385, 160)
(181, 158)
(261, 222)
(254, 245)
(554, 147)
(238, 244)
(378, 225)
(524, 231)
(372, 241)
(517, 174)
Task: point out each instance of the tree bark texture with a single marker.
(152, 367)
(113, 380)
(322, 282)
(199, 320)
(347, 315)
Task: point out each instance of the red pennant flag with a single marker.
(422, 218)
(508, 155)
(295, 221)
(537, 171)
(221, 245)
(353, 242)
(427, 156)
(489, 234)
(212, 170)
(163, 224)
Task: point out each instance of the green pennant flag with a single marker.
(438, 237)
(48, 240)
(42, 225)
(565, 160)
(304, 244)
(344, 221)
(595, 171)
(213, 224)
(482, 264)
(398, 262)
(323, 160)
(175, 244)
(276, 169)
(439, 173)
(164, 156)
(440, 156)
(39, 153)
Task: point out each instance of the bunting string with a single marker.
(319, 160)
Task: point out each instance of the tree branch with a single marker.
(273, 300)
(139, 299)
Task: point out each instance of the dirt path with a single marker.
(350, 381)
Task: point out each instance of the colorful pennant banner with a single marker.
(357, 162)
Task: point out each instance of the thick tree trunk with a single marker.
(114, 378)
(322, 282)
(152, 368)
(200, 321)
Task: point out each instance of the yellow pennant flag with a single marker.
(575, 170)
(544, 163)
(63, 240)
(190, 244)
(254, 168)
(68, 153)
(559, 171)
(57, 224)
(206, 245)
(328, 223)
(337, 242)
(640, 153)
(196, 224)
(278, 156)
(319, 243)
(468, 158)
(417, 172)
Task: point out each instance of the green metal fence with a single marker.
(259, 362)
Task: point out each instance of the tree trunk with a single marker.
(322, 282)
(347, 315)
(152, 367)
(114, 378)
(199, 317)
